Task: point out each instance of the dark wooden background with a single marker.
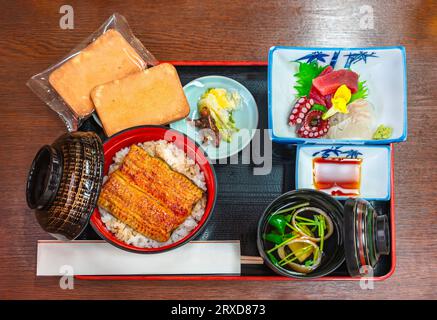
(31, 40)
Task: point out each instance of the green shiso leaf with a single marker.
(304, 77)
(361, 92)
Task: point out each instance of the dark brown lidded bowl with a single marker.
(64, 183)
(367, 236)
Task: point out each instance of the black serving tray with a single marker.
(242, 196)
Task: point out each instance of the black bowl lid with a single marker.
(367, 236)
(44, 178)
(70, 168)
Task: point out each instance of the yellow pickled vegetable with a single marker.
(223, 99)
(221, 104)
(296, 247)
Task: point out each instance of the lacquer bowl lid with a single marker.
(367, 237)
(64, 182)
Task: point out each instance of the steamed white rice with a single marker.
(178, 161)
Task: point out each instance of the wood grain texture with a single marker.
(31, 40)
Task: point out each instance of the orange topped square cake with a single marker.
(108, 58)
(152, 96)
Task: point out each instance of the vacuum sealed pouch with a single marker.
(110, 53)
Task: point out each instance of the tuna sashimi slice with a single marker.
(317, 96)
(327, 70)
(328, 100)
(329, 83)
(319, 99)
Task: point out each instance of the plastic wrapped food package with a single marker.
(110, 53)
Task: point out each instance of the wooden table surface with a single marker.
(31, 40)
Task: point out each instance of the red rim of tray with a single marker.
(152, 133)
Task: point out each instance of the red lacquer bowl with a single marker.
(135, 135)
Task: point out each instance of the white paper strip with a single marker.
(101, 258)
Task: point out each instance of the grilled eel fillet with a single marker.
(152, 174)
(137, 208)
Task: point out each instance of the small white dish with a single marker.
(375, 167)
(246, 117)
(383, 69)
